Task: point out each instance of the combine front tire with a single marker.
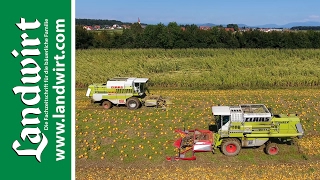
(133, 103)
(106, 104)
(272, 149)
(230, 147)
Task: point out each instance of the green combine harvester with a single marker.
(128, 91)
(247, 125)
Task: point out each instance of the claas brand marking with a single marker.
(117, 87)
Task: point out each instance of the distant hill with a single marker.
(207, 24)
(309, 23)
(289, 25)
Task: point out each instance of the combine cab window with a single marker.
(140, 88)
(225, 119)
(221, 120)
(137, 87)
(217, 119)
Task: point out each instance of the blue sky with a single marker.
(249, 12)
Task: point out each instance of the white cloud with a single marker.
(312, 18)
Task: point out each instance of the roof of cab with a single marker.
(221, 110)
(137, 80)
(141, 80)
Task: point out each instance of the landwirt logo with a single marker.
(34, 134)
(38, 90)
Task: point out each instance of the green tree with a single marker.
(241, 39)
(234, 26)
(314, 38)
(102, 39)
(116, 42)
(127, 38)
(277, 40)
(84, 39)
(174, 34)
(162, 36)
(214, 37)
(301, 40)
(190, 35)
(150, 36)
(136, 29)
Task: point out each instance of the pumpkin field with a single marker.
(123, 144)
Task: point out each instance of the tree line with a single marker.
(173, 36)
(316, 28)
(92, 22)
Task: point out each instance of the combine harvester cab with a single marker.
(247, 125)
(128, 91)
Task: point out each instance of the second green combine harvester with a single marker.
(247, 125)
(128, 91)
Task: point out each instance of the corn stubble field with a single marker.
(119, 143)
